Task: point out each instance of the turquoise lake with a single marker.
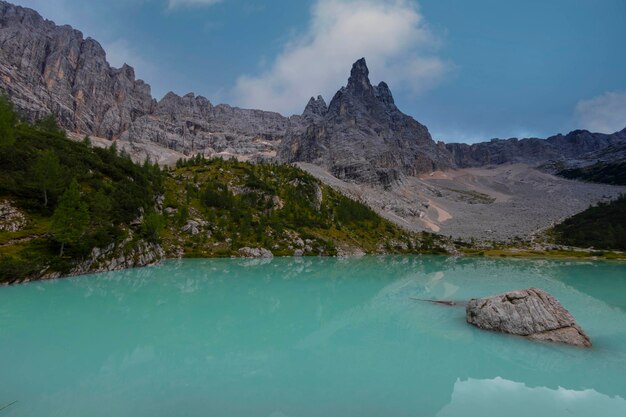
(307, 337)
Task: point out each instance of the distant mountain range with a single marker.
(577, 147)
(361, 136)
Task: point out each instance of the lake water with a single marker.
(307, 337)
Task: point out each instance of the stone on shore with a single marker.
(253, 253)
(532, 313)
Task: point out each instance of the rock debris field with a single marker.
(492, 203)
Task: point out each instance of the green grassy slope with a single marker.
(272, 206)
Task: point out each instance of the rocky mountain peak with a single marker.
(383, 93)
(359, 98)
(315, 107)
(359, 81)
(363, 137)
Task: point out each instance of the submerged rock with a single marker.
(532, 313)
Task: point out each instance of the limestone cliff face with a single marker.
(363, 136)
(192, 124)
(46, 68)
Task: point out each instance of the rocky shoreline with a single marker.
(152, 255)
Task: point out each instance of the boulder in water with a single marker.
(532, 313)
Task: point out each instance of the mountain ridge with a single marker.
(359, 136)
(576, 145)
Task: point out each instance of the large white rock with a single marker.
(532, 313)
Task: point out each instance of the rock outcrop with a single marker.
(362, 136)
(11, 218)
(532, 313)
(193, 125)
(115, 257)
(255, 253)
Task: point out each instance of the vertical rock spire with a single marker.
(359, 81)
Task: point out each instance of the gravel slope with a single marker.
(492, 203)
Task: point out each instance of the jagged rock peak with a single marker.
(363, 137)
(359, 77)
(383, 93)
(315, 107)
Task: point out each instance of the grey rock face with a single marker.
(46, 69)
(118, 257)
(362, 136)
(193, 227)
(577, 148)
(315, 109)
(192, 124)
(532, 313)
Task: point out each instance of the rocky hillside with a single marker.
(46, 69)
(362, 135)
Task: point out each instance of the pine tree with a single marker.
(48, 174)
(71, 217)
(49, 125)
(101, 209)
(8, 120)
(113, 148)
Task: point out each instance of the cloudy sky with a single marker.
(469, 70)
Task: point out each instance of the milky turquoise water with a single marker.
(307, 337)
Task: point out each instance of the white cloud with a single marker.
(603, 114)
(390, 34)
(172, 4)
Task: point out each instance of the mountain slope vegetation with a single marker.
(66, 197)
(67, 207)
(223, 205)
(602, 227)
(601, 172)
